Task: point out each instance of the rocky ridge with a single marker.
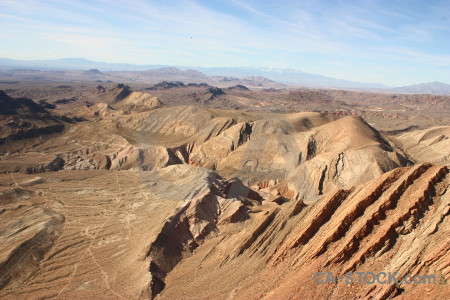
(270, 198)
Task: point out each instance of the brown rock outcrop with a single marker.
(396, 223)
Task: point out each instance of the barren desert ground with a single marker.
(196, 190)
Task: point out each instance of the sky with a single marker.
(394, 42)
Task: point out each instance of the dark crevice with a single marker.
(312, 148)
(322, 179)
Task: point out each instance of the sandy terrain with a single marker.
(177, 191)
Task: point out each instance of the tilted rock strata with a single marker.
(396, 223)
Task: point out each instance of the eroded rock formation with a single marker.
(137, 199)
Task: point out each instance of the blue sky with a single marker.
(391, 42)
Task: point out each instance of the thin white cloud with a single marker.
(306, 33)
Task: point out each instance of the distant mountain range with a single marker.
(436, 88)
(73, 64)
(286, 76)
